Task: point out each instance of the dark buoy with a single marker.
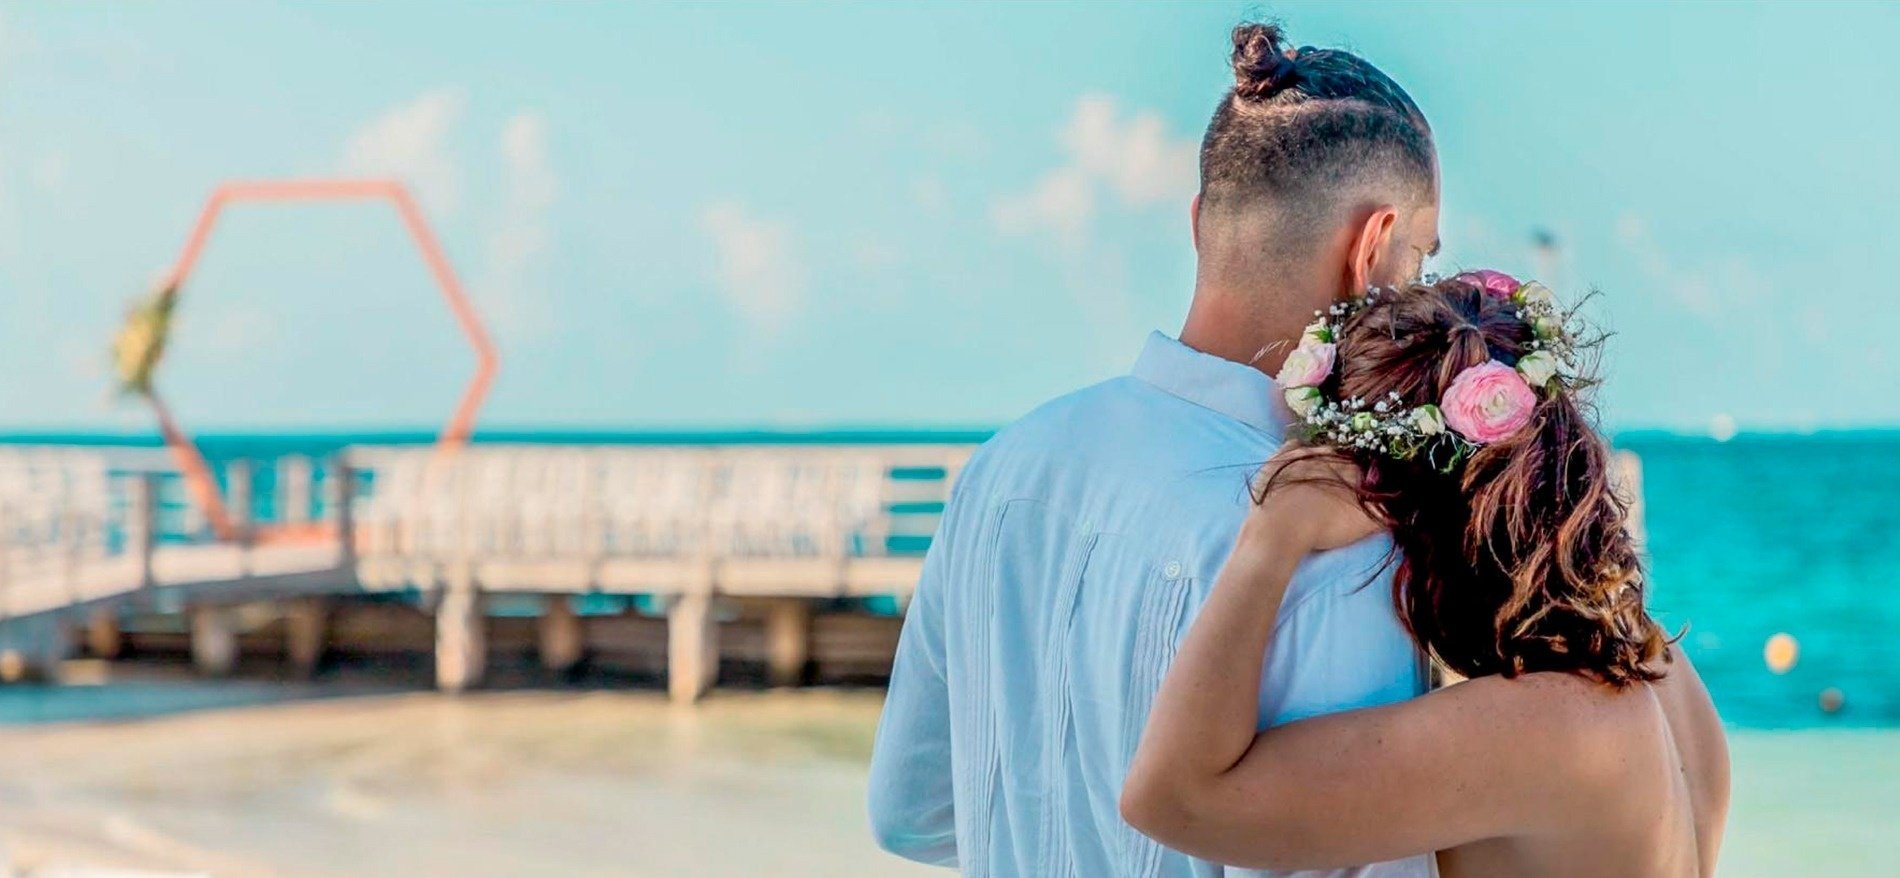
(1832, 700)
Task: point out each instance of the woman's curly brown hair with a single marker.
(1519, 559)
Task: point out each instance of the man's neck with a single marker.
(1235, 327)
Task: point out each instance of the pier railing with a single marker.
(806, 521)
(56, 525)
(87, 535)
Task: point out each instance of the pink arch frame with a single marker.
(461, 423)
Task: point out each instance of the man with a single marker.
(1080, 541)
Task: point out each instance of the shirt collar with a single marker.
(1233, 389)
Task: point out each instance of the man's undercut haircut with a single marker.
(1302, 129)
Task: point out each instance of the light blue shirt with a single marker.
(1075, 550)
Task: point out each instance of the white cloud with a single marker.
(524, 146)
(521, 236)
(1062, 203)
(757, 269)
(413, 142)
(1130, 155)
(930, 195)
(1113, 158)
(410, 142)
(1134, 156)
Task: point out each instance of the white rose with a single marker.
(1316, 333)
(1428, 419)
(1307, 366)
(1302, 400)
(1547, 327)
(1537, 367)
(1534, 293)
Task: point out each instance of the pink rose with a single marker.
(1496, 283)
(1488, 402)
(1307, 366)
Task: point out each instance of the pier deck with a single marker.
(782, 532)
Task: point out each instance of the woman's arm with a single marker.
(1203, 718)
(1481, 759)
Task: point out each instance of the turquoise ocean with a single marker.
(1759, 535)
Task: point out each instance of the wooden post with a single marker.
(214, 644)
(343, 501)
(103, 637)
(306, 632)
(6, 549)
(787, 641)
(562, 640)
(35, 648)
(461, 649)
(239, 492)
(293, 489)
(692, 646)
(141, 524)
(692, 631)
(52, 644)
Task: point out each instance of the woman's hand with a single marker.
(1311, 502)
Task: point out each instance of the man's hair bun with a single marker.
(1263, 67)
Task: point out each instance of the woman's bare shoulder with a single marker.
(1579, 726)
(1562, 698)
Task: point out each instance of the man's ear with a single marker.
(1369, 247)
(1194, 220)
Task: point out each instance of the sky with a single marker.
(917, 215)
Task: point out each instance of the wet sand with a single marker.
(1814, 802)
(532, 783)
(621, 783)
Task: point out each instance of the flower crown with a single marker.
(1484, 403)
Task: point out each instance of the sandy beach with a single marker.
(581, 784)
(622, 783)
(1815, 802)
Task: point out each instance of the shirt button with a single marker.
(1172, 570)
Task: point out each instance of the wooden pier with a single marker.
(750, 551)
(775, 536)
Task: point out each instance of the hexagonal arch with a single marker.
(460, 426)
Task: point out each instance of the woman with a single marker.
(1580, 743)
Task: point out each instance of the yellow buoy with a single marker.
(1781, 652)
